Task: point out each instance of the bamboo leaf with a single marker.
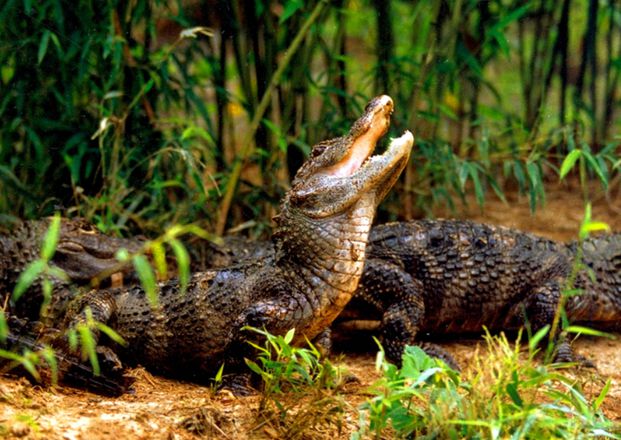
(533, 343)
(514, 15)
(219, 374)
(602, 173)
(43, 45)
(111, 333)
(464, 171)
(289, 336)
(595, 227)
(147, 278)
(159, 257)
(30, 366)
(88, 345)
(478, 188)
(568, 162)
(535, 184)
(588, 331)
(602, 395)
(51, 239)
(50, 357)
(4, 328)
(183, 263)
(27, 277)
(512, 391)
(290, 8)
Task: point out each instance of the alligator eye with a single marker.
(318, 150)
(69, 247)
(480, 242)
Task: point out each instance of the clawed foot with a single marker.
(394, 354)
(440, 353)
(239, 384)
(565, 354)
(111, 380)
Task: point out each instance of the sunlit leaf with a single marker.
(568, 162)
(588, 331)
(290, 8)
(595, 226)
(147, 278)
(594, 165)
(110, 333)
(43, 44)
(183, 263)
(196, 31)
(602, 395)
(218, 377)
(289, 336)
(4, 328)
(27, 277)
(88, 345)
(159, 258)
(51, 238)
(534, 341)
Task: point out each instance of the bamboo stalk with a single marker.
(247, 146)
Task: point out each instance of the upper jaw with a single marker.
(364, 136)
(326, 196)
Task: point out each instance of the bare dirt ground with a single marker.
(165, 409)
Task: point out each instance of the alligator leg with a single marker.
(541, 307)
(392, 290)
(101, 305)
(323, 342)
(70, 369)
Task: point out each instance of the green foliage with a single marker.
(300, 389)
(40, 270)
(84, 335)
(504, 396)
(108, 113)
(4, 328)
(28, 360)
(284, 367)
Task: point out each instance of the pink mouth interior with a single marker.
(360, 150)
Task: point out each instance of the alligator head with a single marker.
(326, 216)
(83, 253)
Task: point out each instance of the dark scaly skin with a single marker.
(81, 252)
(456, 276)
(229, 251)
(492, 284)
(319, 243)
(599, 305)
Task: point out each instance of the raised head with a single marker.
(341, 171)
(326, 216)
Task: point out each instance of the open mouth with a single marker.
(378, 121)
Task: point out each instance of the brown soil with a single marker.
(166, 409)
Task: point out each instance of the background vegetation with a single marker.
(142, 114)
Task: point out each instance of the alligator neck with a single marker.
(324, 258)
